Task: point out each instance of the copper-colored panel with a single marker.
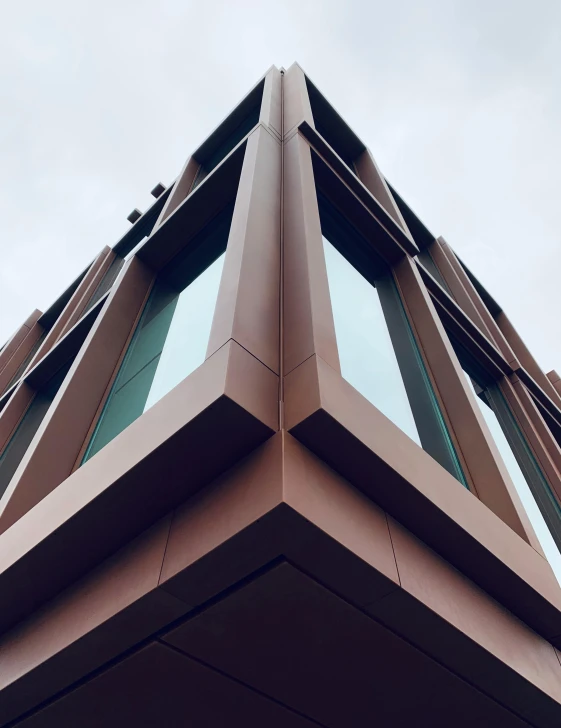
(308, 318)
(160, 687)
(373, 179)
(280, 501)
(358, 441)
(545, 447)
(17, 348)
(271, 103)
(106, 258)
(104, 614)
(294, 640)
(296, 102)
(251, 385)
(17, 361)
(344, 522)
(13, 343)
(457, 287)
(76, 304)
(14, 410)
(485, 467)
(356, 202)
(152, 466)
(247, 308)
(555, 379)
(457, 322)
(488, 321)
(66, 425)
(526, 359)
(228, 530)
(523, 668)
(180, 190)
(194, 212)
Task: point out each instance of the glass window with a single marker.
(367, 357)
(524, 472)
(172, 335)
(377, 349)
(22, 437)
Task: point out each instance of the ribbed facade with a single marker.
(277, 458)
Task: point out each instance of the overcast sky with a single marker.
(459, 101)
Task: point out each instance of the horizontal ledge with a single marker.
(66, 347)
(494, 359)
(215, 416)
(339, 425)
(464, 328)
(332, 159)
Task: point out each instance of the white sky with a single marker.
(460, 103)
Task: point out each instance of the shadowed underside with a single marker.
(277, 458)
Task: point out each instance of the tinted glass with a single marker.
(377, 349)
(172, 336)
(368, 360)
(497, 416)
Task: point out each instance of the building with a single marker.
(277, 458)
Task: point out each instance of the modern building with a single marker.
(277, 458)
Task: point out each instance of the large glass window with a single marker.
(172, 335)
(377, 349)
(530, 484)
(22, 437)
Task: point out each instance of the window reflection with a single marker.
(366, 354)
(187, 337)
(491, 404)
(172, 336)
(377, 348)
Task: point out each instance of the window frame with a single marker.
(245, 325)
(310, 329)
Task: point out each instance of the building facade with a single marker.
(277, 458)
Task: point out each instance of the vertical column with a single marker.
(13, 412)
(535, 430)
(555, 379)
(56, 446)
(371, 177)
(457, 288)
(77, 303)
(526, 359)
(296, 102)
(180, 190)
(271, 104)
(488, 321)
(106, 257)
(307, 315)
(247, 308)
(18, 348)
(308, 318)
(485, 468)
